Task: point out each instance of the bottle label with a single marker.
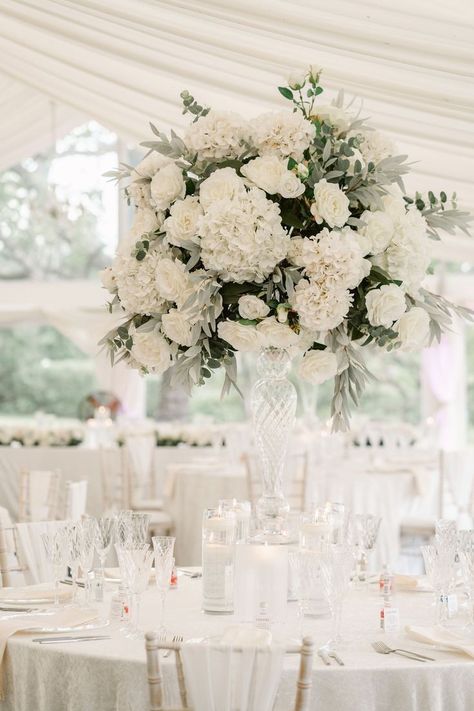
(391, 619)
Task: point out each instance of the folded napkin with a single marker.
(240, 670)
(43, 591)
(414, 583)
(65, 617)
(441, 638)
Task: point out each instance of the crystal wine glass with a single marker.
(336, 567)
(73, 542)
(305, 568)
(105, 531)
(164, 561)
(54, 546)
(132, 528)
(368, 527)
(88, 533)
(135, 567)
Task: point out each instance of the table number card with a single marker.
(391, 618)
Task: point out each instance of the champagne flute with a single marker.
(164, 561)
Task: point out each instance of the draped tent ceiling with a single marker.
(125, 62)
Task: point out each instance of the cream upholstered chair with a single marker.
(294, 478)
(155, 679)
(39, 495)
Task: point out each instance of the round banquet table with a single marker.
(110, 675)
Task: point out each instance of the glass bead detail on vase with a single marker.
(273, 405)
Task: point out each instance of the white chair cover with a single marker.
(140, 451)
(39, 494)
(76, 499)
(239, 672)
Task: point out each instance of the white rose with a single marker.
(242, 338)
(265, 172)
(107, 278)
(167, 185)
(296, 78)
(275, 334)
(178, 328)
(252, 307)
(151, 351)
(378, 230)
(385, 305)
(414, 329)
(335, 116)
(290, 185)
(182, 224)
(149, 165)
(318, 366)
(172, 279)
(223, 183)
(145, 221)
(331, 205)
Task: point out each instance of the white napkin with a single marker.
(65, 617)
(45, 591)
(441, 638)
(412, 583)
(241, 670)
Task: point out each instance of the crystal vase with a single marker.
(273, 406)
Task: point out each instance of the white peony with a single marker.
(320, 308)
(242, 338)
(318, 366)
(219, 135)
(335, 116)
(252, 307)
(108, 280)
(243, 239)
(414, 329)
(275, 334)
(172, 279)
(331, 204)
(378, 230)
(333, 258)
(167, 185)
(178, 328)
(385, 305)
(283, 134)
(182, 224)
(375, 146)
(136, 282)
(271, 174)
(149, 166)
(151, 351)
(222, 184)
(296, 79)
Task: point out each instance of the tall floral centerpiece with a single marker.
(289, 233)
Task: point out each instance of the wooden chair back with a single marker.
(155, 679)
(39, 495)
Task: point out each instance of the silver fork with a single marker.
(175, 638)
(382, 648)
(336, 657)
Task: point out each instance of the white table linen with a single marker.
(110, 675)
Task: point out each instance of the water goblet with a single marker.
(54, 546)
(135, 566)
(132, 528)
(336, 566)
(164, 561)
(103, 540)
(88, 533)
(368, 527)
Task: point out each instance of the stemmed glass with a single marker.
(88, 533)
(135, 567)
(440, 568)
(73, 543)
(336, 567)
(368, 528)
(305, 568)
(132, 528)
(164, 561)
(54, 546)
(103, 540)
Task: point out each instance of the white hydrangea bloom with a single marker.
(182, 224)
(375, 146)
(283, 134)
(151, 351)
(407, 257)
(219, 135)
(136, 282)
(320, 308)
(149, 165)
(331, 204)
(243, 239)
(222, 184)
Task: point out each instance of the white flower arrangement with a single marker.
(289, 230)
(31, 435)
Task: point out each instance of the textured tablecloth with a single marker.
(110, 675)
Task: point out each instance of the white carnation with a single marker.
(172, 279)
(283, 134)
(335, 116)
(414, 329)
(252, 307)
(151, 351)
(167, 185)
(108, 280)
(378, 230)
(149, 166)
(219, 135)
(385, 305)
(318, 366)
(182, 224)
(375, 146)
(222, 184)
(179, 328)
(243, 239)
(333, 258)
(331, 204)
(242, 338)
(271, 174)
(136, 282)
(275, 334)
(320, 308)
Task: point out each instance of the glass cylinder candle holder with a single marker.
(218, 539)
(315, 530)
(242, 511)
(261, 582)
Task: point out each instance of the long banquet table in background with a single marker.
(110, 675)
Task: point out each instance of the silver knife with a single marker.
(61, 640)
(337, 658)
